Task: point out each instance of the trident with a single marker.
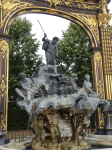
(42, 28)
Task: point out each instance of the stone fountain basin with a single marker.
(59, 120)
(105, 140)
(102, 140)
(16, 145)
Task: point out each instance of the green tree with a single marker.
(73, 50)
(23, 57)
(111, 31)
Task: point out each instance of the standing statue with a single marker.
(26, 84)
(51, 51)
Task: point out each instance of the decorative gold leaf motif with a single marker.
(90, 20)
(80, 0)
(99, 80)
(51, 11)
(3, 86)
(8, 6)
(102, 122)
(73, 3)
(3, 125)
(98, 58)
(103, 18)
(100, 88)
(4, 47)
(79, 23)
(107, 54)
(21, 13)
(36, 10)
(65, 16)
(53, 1)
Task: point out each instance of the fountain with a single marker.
(58, 110)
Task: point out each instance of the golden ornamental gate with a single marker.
(92, 15)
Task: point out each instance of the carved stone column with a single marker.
(4, 65)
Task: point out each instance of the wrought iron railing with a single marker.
(18, 124)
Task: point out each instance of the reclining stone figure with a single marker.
(26, 84)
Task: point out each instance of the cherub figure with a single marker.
(73, 79)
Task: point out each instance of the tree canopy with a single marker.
(23, 57)
(73, 50)
(111, 31)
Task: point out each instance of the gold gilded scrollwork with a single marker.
(54, 1)
(103, 18)
(3, 123)
(100, 89)
(51, 11)
(4, 47)
(79, 23)
(36, 10)
(19, 14)
(98, 58)
(98, 68)
(107, 58)
(102, 120)
(66, 16)
(9, 6)
(86, 6)
(91, 21)
(4, 81)
(74, 3)
(3, 86)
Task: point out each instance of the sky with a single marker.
(52, 25)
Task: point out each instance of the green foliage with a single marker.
(23, 57)
(111, 31)
(73, 50)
